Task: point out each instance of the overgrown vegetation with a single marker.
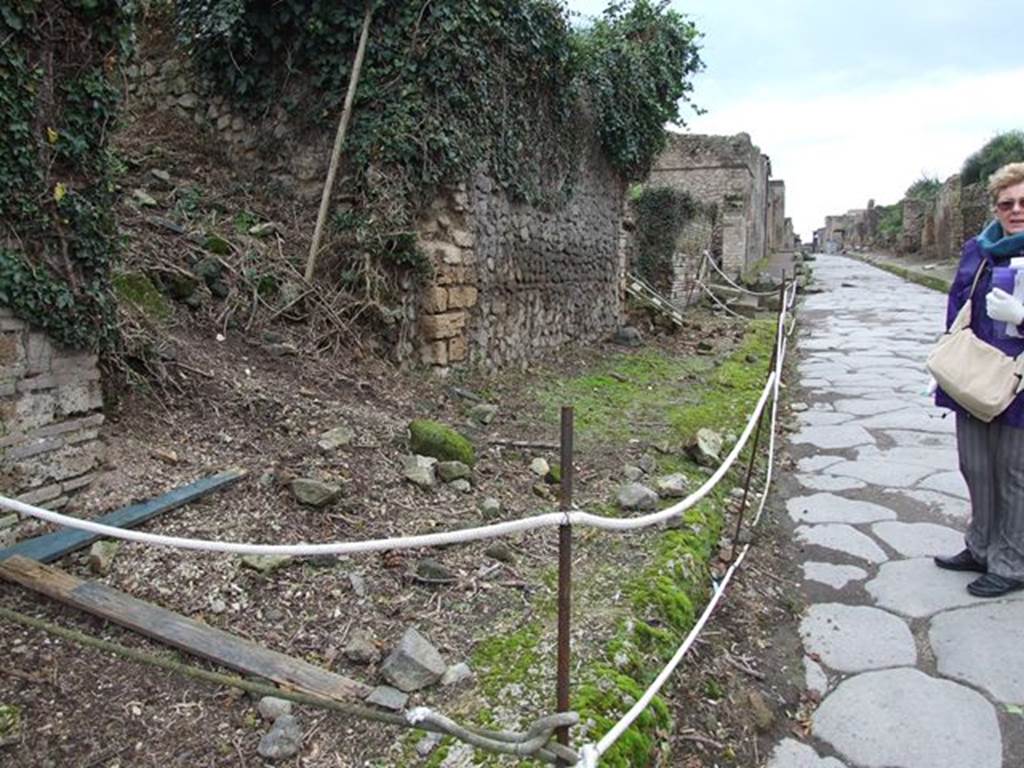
(451, 88)
(1001, 149)
(661, 213)
(57, 236)
(890, 221)
(925, 188)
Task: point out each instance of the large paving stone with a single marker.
(864, 406)
(829, 508)
(907, 438)
(829, 437)
(830, 483)
(951, 483)
(952, 507)
(917, 588)
(823, 418)
(932, 458)
(817, 462)
(920, 419)
(842, 538)
(902, 718)
(856, 638)
(890, 474)
(919, 539)
(790, 753)
(815, 677)
(984, 647)
(835, 576)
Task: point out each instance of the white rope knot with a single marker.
(417, 715)
(588, 756)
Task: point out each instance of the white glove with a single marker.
(932, 386)
(1003, 307)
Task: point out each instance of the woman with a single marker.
(992, 454)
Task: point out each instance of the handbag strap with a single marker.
(963, 317)
(977, 276)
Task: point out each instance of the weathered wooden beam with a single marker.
(180, 631)
(51, 546)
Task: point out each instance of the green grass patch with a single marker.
(934, 282)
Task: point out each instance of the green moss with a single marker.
(934, 282)
(138, 290)
(10, 722)
(509, 658)
(431, 438)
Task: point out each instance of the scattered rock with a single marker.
(283, 740)
(461, 485)
(166, 456)
(430, 571)
(706, 447)
(456, 673)
(336, 438)
(490, 508)
(420, 470)
(314, 493)
(798, 407)
(144, 199)
(648, 464)
(218, 606)
(263, 229)
(542, 490)
(161, 175)
(705, 348)
(265, 564)
(483, 413)
(284, 349)
(414, 663)
(672, 486)
(358, 584)
(632, 473)
(637, 496)
(539, 467)
(101, 555)
(387, 697)
(361, 648)
(453, 470)
(271, 708)
(501, 552)
(628, 336)
(431, 438)
(428, 744)
(764, 717)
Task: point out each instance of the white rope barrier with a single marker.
(736, 285)
(718, 301)
(591, 754)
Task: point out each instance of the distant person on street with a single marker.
(992, 454)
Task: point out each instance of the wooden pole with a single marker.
(564, 574)
(339, 140)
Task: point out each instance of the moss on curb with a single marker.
(934, 282)
(431, 438)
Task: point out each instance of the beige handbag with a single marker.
(978, 376)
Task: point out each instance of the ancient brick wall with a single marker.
(50, 403)
(512, 281)
(776, 215)
(697, 238)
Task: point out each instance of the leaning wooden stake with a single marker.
(339, 140)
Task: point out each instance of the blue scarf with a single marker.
(994, 243)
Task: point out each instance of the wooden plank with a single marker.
(180, 631)
(51, 546)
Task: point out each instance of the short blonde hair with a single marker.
(1007, 176)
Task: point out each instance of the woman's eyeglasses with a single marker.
(1006, 206)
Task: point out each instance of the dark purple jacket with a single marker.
(981, 324)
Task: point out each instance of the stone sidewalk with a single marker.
(912, 671)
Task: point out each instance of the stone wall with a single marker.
(698, 237)
(730, 173)
(777, 215)
(50, 403)
(512, 281)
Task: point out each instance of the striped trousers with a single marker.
(992, 463)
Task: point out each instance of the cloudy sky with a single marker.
(854, 100)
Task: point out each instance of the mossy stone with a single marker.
(138, 290)
(431, 438)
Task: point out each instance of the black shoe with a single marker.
(991, 585)
(961, 561)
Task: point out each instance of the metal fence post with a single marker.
(565, 573)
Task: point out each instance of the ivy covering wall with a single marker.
(59, 103)
(451, 87)
(660, 213)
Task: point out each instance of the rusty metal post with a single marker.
(760, 420)
(564, 573)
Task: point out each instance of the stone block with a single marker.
(457, 349)
(434, 353)
(11, 350)
(462, 296)
(77, 483)
(63, 464)
(41, 495)
(39, 352)
(463, 238)
(11, 323)
(448, 274)
(448, 253)
(32, 410)
(443, 326)
(79, 398)
(34, 447)
(75, 362)
(435, 299)
(81, 436)
(37, 383)
(72, 425)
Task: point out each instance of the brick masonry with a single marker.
(50, 415)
